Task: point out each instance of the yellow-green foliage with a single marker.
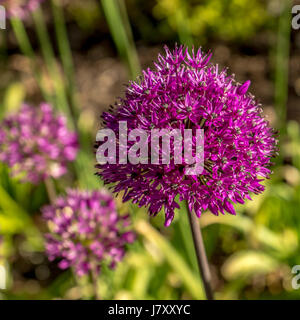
(230, 19)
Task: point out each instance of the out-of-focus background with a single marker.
(251, 255)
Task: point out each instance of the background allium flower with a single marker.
(36, 143)
(20, 8)
(86, 229)
(184, 91)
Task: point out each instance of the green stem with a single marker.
(26, 48)
(22, 37)
(94, 276)
(65, 52)
(51, 190)
(201, 254)
(187, 237)
(116, 13)
(54, 72)
(282, 64)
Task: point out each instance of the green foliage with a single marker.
(229, 19)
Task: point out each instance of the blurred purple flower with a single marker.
(36, 143)
(86, 230)
(20, 8)
(185, 92)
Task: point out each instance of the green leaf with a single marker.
(14, 96)
(14, 212)
(282, 244)
(191, 282)
(248, 263)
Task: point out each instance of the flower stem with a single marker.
(51, 63)
(94, 275)
(50, 187)
(117, 19)
(201, 254)
(65, 53)
(27, 50)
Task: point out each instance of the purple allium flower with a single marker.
(86, 230)
(20, 8)
(36, 143)
(184, 91)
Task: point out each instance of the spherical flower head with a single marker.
(36, 143)
(20, 8)
(185, 91)
(86, 231)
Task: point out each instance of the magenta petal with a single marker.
(229, 207)
(244, 87)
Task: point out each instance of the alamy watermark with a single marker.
(296, 18)
(187, 148)
(2, 278)
(2, 18)
(296, 278)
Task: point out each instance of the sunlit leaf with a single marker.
(247, 263)
(191, 282)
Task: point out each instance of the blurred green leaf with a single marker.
(23, 222)
(14, 97)
(191, 282)
(247, 263)
(283, 244)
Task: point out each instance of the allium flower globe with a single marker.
(36, 143)
(20, 8)
(185, 91)
(86, 230)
